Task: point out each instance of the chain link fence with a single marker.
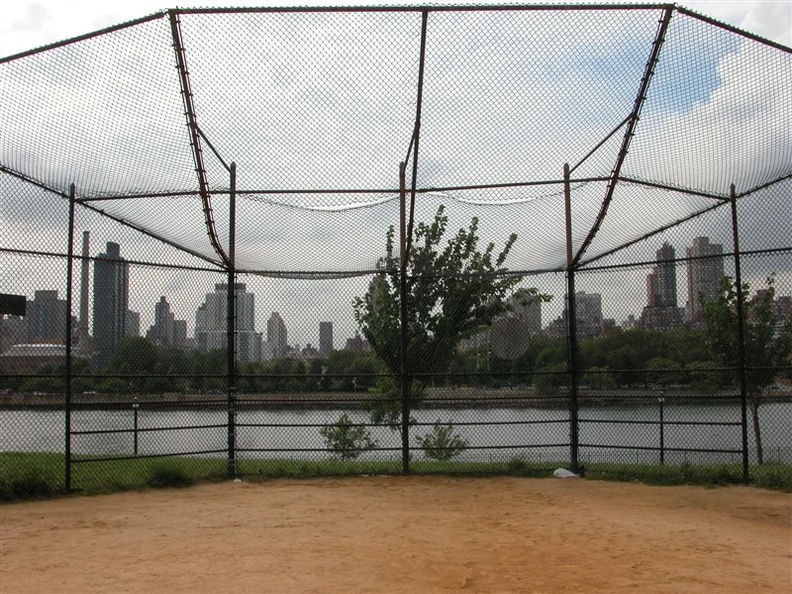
(439, 240)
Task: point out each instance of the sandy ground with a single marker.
(402, 534)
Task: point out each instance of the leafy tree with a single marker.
(112, 385)
(346, 439)
(442, 443)
(662, 371)
(551, 378)
(599, 378)
(452, 291)
(43, 385)
(134, 354)
(703, 376)
(767, 339)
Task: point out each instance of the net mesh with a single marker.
(657, 112)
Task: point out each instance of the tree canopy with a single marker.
(766, 344)
(454, 289)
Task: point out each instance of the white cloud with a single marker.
(33, 24)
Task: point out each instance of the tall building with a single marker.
(132, 323)
(705, 272)
(84, 323)
(45, 318)
(180, 334)
(276, 335)
(588, 308)
(661, 311)
(325, 338)
(167, 331)
(211, 323)
(110, 302)
(666, 295)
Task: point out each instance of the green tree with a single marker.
(346, 439)
(663, 372)
(452, 291)
(767, 339)
(703, 376)
(134, 354)
(599, 378)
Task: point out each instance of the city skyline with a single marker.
(111, 293)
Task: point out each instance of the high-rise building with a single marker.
(45, 318)
(276, 335)
(84, 324)
(110, 302)
(325, 338)
(588, 308)
(705, 272)
(132, 323)
(211, 323)
(666, 295)
(162, 332)
(661, 311)
(180, 334)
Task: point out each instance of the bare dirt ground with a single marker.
(402, 534)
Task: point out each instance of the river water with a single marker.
(693, 433)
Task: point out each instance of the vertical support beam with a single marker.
(68, 338)
(572, 346)
(404, 370)
(405, 240)
(231, 326)
(740, 332)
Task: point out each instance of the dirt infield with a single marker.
(403, 534)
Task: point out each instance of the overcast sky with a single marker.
(25, 25)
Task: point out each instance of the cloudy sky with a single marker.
(25, 25)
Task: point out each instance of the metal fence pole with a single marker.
(572, 346)
(231, 326)
(661, 400)
(135, 407)
(740, 332)
(404, 374)
(67, 338)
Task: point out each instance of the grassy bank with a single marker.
(36, 475)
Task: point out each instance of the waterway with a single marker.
(699, 434)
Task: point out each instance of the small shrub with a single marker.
(516, 465)
(347, 440)
(31, 484)
(773, 476)
(441, 443)
(169, 476)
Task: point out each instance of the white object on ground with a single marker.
(564, 473)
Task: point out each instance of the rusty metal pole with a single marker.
(740, 332)
(572, 346)
(404, 371)
(68, 379)
(231, 326)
